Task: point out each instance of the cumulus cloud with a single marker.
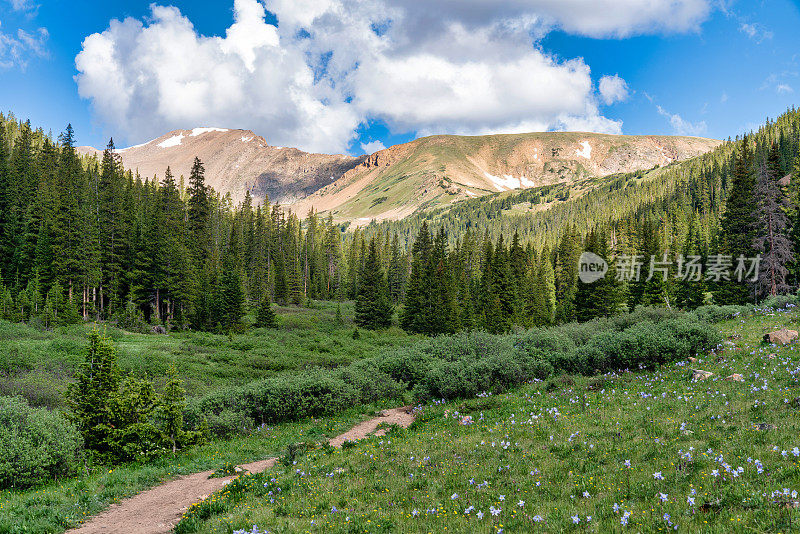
(681, 126)
(372, 147)
(466, 66)
(613, 89)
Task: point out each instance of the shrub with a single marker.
(780, 302)
(35, 444)
(714, 314)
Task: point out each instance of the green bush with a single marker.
(713, 314)
(36, 445)
(461, 366)
(780, 302)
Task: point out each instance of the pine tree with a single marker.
(88, 398)
(772, 238)
(418, 309)
(541, 285)
(373, 306)
(738, 224)
(566, 274)
(602, 297)
(265, 315)
(173, 402)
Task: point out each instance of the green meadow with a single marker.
(629, 451)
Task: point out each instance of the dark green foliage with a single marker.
(373, 303)
(89, 397)
(265, 315)
(36, 445)
(738, 224)
(121, 419)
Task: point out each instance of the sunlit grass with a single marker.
(641, 452)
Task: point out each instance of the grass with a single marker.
(65, 504)
(551, 457)
(39, 364)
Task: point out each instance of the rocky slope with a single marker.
(395, 182)
(237, 161)
(437, 170)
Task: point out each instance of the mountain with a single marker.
(395, 182)
(438, 170)
(236, 161)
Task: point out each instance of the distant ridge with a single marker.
(395, 182)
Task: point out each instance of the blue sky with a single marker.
(344, 73)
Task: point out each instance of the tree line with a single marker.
(83, 239)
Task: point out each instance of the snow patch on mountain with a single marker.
(509, 182)
(586, 152)
(173, 141)
(201, 131)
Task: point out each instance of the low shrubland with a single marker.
(36, 445)
(39, 364)
(460, 366)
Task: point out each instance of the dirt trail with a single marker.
(157, 510)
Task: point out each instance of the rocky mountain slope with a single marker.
(432, 171)
(237, 161)
(397, 181)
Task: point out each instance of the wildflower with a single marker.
(576, 519)
(658, 476)
(495, 511)
(521, 503)
(415, 512)
(663, 496)
(628, 464)
(690, 500)
(537, 518)
(586, 495)
(454, 496)
(624, 520)
(480, 514)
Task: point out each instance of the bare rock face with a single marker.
(781, 337)
(394, 182)
(735, 377)
(698, 374)
(236, 162)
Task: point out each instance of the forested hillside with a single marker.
(84, 239)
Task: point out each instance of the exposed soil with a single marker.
(158, 510)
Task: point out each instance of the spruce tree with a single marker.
(373, 305)
(173, 402)
(265, 315)
(89, 397)
(738, 225)
(418, 309)
(772, 238)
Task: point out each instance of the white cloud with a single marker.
(613, 89)
(466, 66)
(15, 51)
(593, 18)
(783, 88)
(24, 6)
(372, 147)
(681, 126)
(756, 32)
